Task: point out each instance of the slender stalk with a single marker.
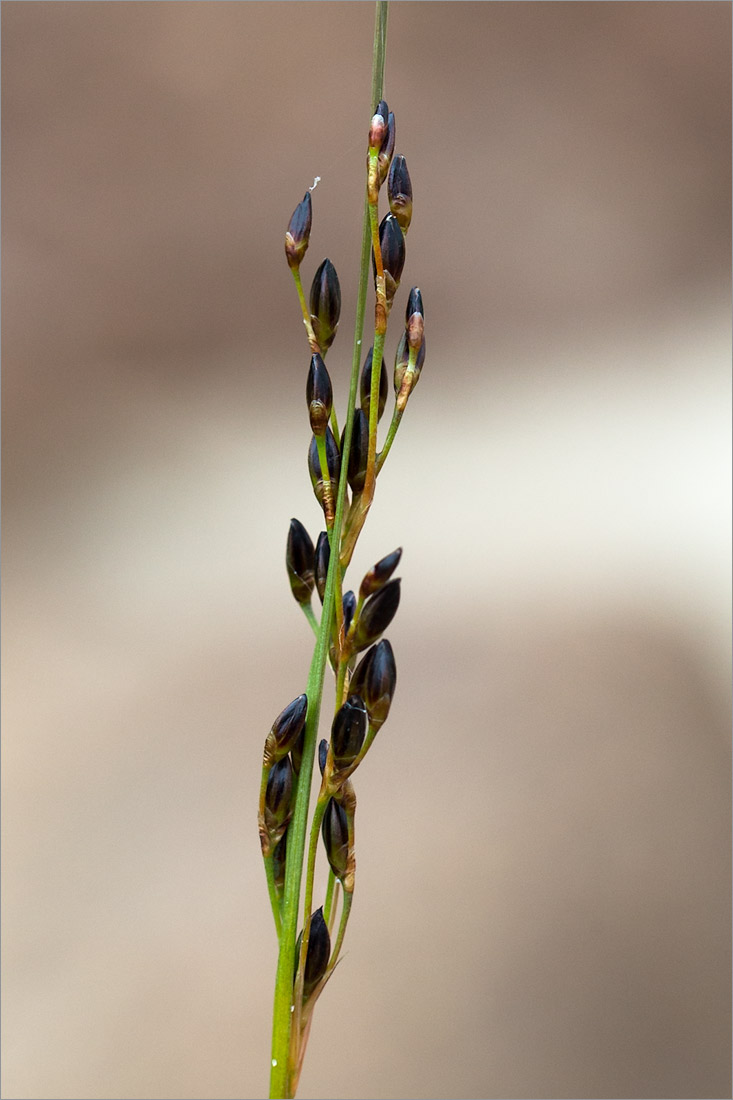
(272, 890)
(281, 1071)
(310, 616)
(328, 903)
(306, 312)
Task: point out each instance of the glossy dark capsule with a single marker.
(349, 607)
(387, 148)
(365, 385)
(289, 724)
(348, 731)
(358, 678)
(399, 191)
(298, 232)
(278, 795)
(376, 614)
(380, 573)
(278, 861)
(322, 754)
(318, 954)
(380, 682)
(300, 562)
(335, 833)
(392, 246)
(414, 304)
(318, 395)
(325, 304)
(323, 556)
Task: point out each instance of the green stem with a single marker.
(272, 890)
(396, 418)
(281, 1023)
(310, 616)
(345, 910)
(329, 897)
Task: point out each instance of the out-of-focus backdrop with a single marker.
(543, 896)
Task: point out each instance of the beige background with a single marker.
(542, 905)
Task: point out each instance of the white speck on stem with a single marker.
(274, 1062)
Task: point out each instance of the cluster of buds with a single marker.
(343, 467)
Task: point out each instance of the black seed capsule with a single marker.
(377, 614)
(333, 461)
(383, 110)
(359, 451)
(335, 833)
(287, 727)
(392, 246)
(365, 385)
(322, 754)
(296, 753)
(300, 562)
(358, 678)
(299, 231)
(318, 954)
(414, 304)
(399, 190)
(380, 573)
(380, 683)
(349, 606)
(318, 395)
(278, 795)
(348, 731)
(323, 556)
(325, 304)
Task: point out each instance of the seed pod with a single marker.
(392, 247)
(380, 573)
(325, 304)
(323, 556)
(349, 606)
(377, 614)
(335, 833)
(365, 385)
(278, 861)
(359, 451)
(298, 232)
(278, 797)
(322, 754)
(318, 395)
(318, 954)
(286, 729)
(380, 683)
(400, 362)
(378, 126)
(300, 562)
(348, 731)
(399, 190)
(415, 320)
(387, 149)
(296, 753)
(414, 305)
(333, 461)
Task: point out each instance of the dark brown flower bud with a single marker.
(322, 754)
(376, 614)
(335, 833)
(379, 683)
(399, 190)
(366, 385)
(401, 359)
(414, 304)
(333, 461)
(323, 556)
(300, 562)
(298, 232)
(278, 797)
(278, 861)
(325, 304)
(318, 954)
(348, 731)
(380, 573)
(387, 149)
(296, 753)
(318, 395)
(392, 247)
(349, 606)
(286, 729)
(359, 451)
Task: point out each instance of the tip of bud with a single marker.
(298, 231)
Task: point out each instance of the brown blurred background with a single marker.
(543, 897)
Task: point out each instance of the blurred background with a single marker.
(542, 905)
